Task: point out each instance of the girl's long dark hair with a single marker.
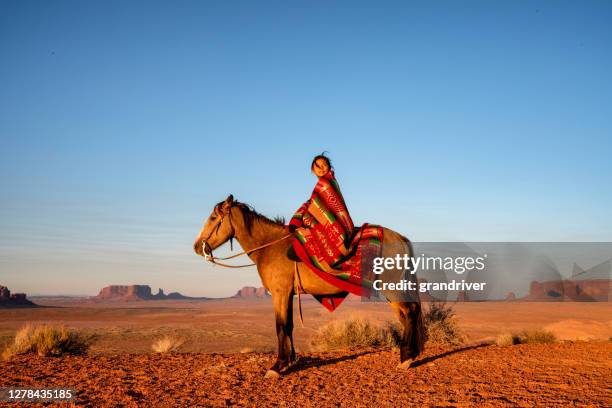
(321, 156)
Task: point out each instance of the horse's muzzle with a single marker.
(202, 248)
(206, 250)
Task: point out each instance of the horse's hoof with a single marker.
(272, 374)
(405, 365)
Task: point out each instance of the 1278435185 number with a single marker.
(15, 394)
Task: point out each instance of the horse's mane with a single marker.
(251, 215)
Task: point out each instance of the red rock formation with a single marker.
(463, 296)
(134, 293)
(250, 292)
(5, 293)
(125, 292)
(599, 290)
(13, 300)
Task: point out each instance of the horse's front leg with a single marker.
(283, 313)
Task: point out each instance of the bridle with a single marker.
(215, 230)
(208, 256)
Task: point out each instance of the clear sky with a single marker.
(122, 123)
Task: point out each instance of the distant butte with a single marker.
(588, 290)
(250, 292)
(13, 300)
(129, 293)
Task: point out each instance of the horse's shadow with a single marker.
(305, 363)
(429, 359)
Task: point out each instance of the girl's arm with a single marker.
(298, 217)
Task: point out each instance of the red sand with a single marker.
(121, 371)
(526, 375)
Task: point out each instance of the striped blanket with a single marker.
(327, 241)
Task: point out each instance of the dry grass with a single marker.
(537, 336)
(506, 339)
(354, 333)
(167, 344)
(439, 319)
(441, 325)
(47, 340)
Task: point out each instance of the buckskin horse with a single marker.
(263, 240)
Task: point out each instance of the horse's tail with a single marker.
(420, 328)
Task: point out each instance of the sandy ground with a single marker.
(210, 370)
(575, 374)
(227, 326)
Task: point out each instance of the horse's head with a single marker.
(217, 230)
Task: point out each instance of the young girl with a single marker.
(322, 225)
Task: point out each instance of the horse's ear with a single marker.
(229, 201)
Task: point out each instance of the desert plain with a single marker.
(228, 344)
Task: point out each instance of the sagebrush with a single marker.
(439, 320)
(47, 340)
(167, 344)
(532, 336)
(354, 333)
(441, 325)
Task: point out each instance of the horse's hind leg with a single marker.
(413, 335)
(283, 312)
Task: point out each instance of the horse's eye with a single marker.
(213, 217)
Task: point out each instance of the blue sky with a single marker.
(122, 123)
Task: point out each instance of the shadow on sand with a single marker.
(305, 363)
(447, 353)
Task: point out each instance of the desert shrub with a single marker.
(167, 344)
(439, 320)
(47, 340)
(441, 325)
(507, 339)
(538, 336)
(354, 333)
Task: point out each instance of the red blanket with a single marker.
(327, 241)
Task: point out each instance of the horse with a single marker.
(283, 275)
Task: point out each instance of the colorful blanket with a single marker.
(327, 241)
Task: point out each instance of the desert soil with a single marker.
(230, 326)
(575, 374)
(120, 369)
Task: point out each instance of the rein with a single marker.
(214, 260)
